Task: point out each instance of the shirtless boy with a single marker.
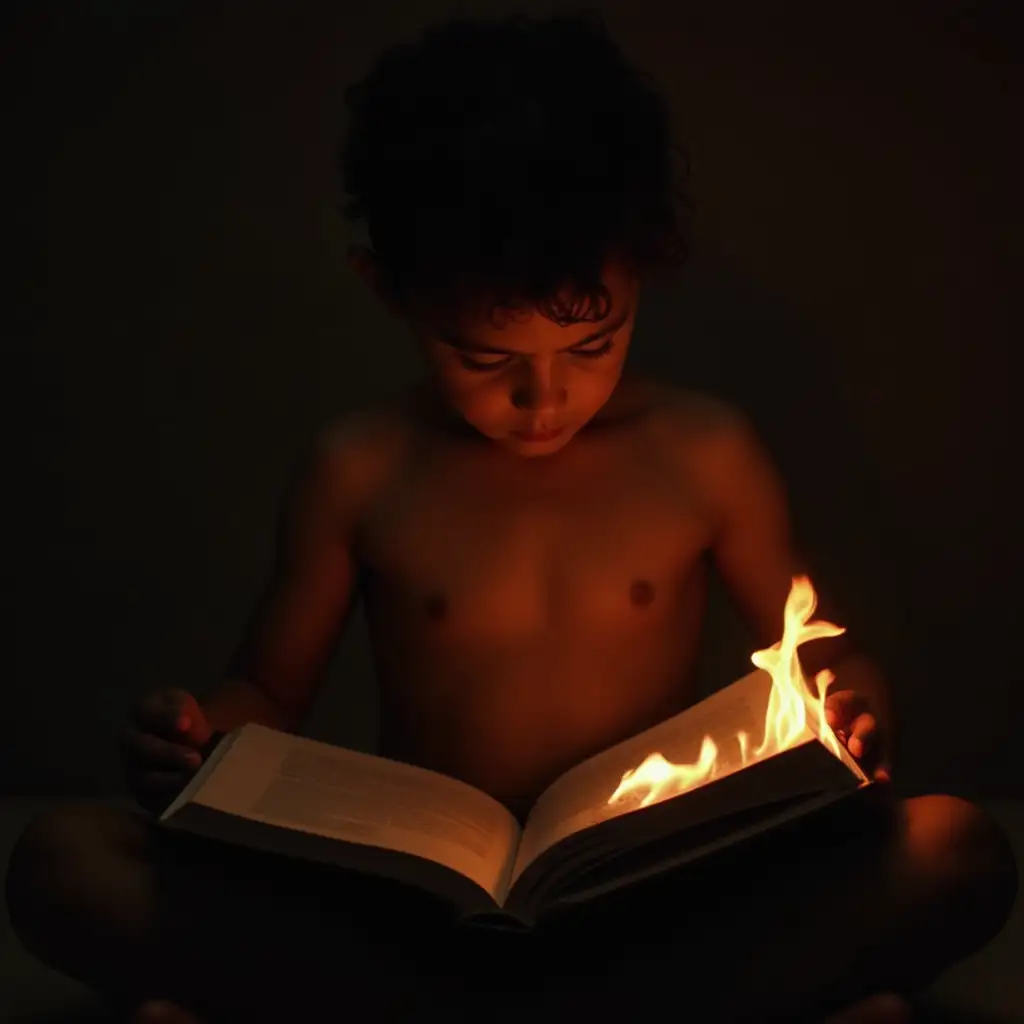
(530, 530)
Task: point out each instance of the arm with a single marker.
(279, 664)
(754, 552)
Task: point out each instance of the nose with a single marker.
(540, 389)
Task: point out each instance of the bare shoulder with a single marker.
(716, 450)
(354, 454)
(693, 421)
(366, 433)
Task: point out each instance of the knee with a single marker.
(53, 869)
(41, 868)
(972, 860)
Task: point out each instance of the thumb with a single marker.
(192, 724)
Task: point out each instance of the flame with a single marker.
(789, 705)
(657, 774)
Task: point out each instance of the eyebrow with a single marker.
(471, 346)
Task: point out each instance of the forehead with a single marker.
(479, 321)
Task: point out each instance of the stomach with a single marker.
(510, 722)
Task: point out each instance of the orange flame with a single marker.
(789, 705)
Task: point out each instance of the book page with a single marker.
(315, 787)
(579, 798)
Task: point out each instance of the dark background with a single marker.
(181, 318)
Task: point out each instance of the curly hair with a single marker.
(510, 160)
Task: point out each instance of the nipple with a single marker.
(641, 593)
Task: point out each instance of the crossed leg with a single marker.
(795, 928)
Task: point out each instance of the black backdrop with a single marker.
(180, 318)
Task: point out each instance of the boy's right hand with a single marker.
(161, 748)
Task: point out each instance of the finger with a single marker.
(192, 722)
(842, 706)
(160, 713)
(846, 701)
(156, 752)
(883, 773)
(862, 732)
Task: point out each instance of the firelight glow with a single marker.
(789, 706)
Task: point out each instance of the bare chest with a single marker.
(525, 616)
(476, 552)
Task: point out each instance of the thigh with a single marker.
(145, 910)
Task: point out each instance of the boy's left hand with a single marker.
(849, 715)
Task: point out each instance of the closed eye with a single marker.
(500, 362)
(595, 353)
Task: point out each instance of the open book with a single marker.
(305, 798)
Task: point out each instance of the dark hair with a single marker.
(509, 160)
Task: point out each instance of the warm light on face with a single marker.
(526, 382)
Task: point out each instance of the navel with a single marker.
(436, 607)
(641, 593)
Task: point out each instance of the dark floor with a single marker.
(986, 989)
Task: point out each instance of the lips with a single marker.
(539, 435)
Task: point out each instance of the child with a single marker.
(529, 529)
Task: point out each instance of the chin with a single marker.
(522, 452)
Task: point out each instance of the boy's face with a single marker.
(523, 381)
